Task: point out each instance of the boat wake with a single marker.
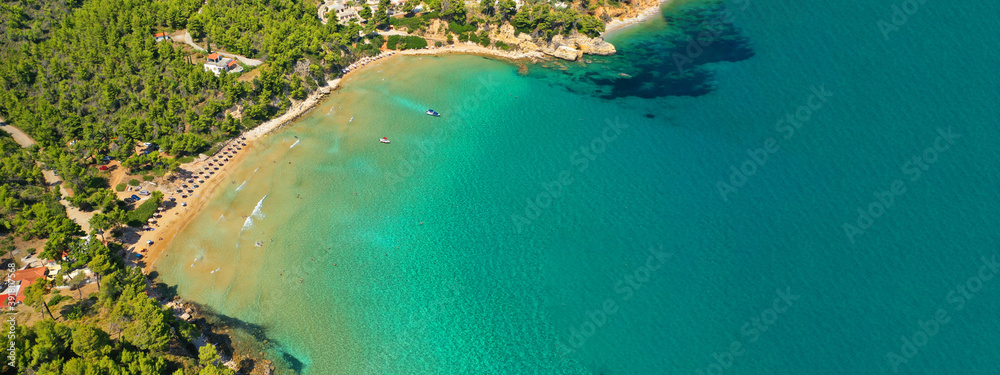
(410, 104)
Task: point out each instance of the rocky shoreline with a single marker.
(570, 48)
(574, 46)
(240, 345)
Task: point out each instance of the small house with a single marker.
(215, 63)
(22, 279)
(161, 37)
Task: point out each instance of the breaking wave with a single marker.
(257, 213)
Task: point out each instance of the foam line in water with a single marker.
(295, 144)
(238, 188)
(256, 213)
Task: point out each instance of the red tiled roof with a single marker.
(157, 35)
(231, 64)
(27, 277)
(31, 274)
(214, 56)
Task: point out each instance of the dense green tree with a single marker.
(47, 342)
(34, 295)
(196, 26)
(90, 342)
(208, 355)
(101, 264)
(380, 18)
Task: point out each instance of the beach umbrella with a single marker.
(149, 242)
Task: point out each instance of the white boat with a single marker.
(384, 140)
(432, 112)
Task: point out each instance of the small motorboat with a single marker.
(433, 113)
(384, 140)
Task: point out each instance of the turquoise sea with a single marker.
(812, 192)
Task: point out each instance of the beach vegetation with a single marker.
(141, 214)
(460, 27)
(405, 42)
(133, 182)
(120, 187)
(408, 21)
(484, 38)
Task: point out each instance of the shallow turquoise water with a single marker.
(425, 256)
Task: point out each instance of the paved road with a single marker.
(186, 38)
(322, 10)
(80, 217)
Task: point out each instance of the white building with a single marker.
(215, 63)
(343, 12)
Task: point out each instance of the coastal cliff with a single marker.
(567, 48)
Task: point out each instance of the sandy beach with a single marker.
(646, 14)
(475, 49)
(215, 170)
(176, 214)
